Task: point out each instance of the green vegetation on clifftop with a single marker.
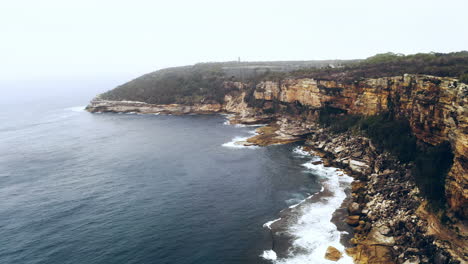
(453, 64)
(203, 82)
(184, 85)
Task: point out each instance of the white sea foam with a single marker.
(293, 201)
(228, 116)
(228, 122)
(300, 202)
(300, 151)
(269, 255)
(269, 223)
(253, 132)
(238, 142)
(314, 231)
(253, 125)
(295, 205)
(76, 108)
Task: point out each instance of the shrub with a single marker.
(390, 64)
(393, 135)
(464, 78)
(431, 163)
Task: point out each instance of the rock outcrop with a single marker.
(436, 107)
(98, 105)
(333, 254)
(387, 213)
(437, 110)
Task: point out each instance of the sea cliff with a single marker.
(435, 107)
(389, 222)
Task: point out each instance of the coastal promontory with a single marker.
(398, 124)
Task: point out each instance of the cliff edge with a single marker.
(418, 119)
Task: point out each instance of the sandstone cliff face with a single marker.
(437, 109)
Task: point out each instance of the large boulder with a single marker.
(353, 209)
(376, 237)
(333, 254)
(358, 166)
(353, 220)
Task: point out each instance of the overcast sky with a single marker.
(47, 39)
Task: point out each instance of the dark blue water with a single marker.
(108, 188)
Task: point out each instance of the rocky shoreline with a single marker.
(387, 215)
(435, 109)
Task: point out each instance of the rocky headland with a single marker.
(391, 219)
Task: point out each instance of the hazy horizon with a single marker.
(52, 39)
(314, 161)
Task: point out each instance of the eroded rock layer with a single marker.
(436, 108)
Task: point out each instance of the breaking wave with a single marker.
(300, 151)
(313, 230)
(238, 143)
(76, 108)
(269, 255)
(269, 223)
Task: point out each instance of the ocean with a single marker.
(127, 188)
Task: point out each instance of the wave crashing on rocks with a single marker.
(309, 223)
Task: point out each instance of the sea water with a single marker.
(77, 187)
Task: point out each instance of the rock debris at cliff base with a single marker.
(388, 225)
